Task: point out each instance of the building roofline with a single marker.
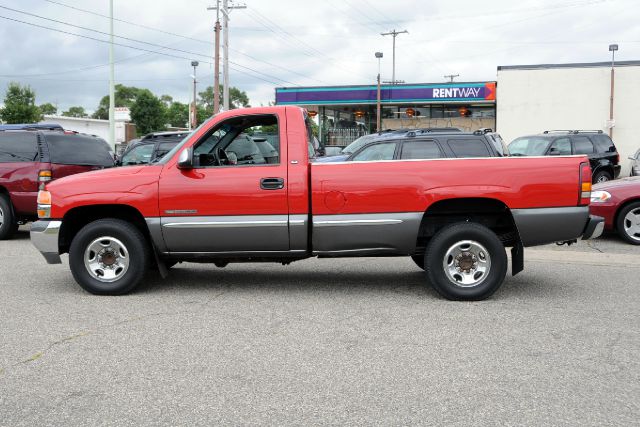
(570, 65)
(386, 86)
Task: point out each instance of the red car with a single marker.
(619, 203)
(215, 199)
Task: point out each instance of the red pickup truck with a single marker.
(217, 198)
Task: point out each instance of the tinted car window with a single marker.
(603, 143)
(383, 151)
(78, 150)
(18, 147)
(582, 145)
(529, 146)
(469, 147)
(165, 147)
(561, 147)
(421, 150)
(140, 155)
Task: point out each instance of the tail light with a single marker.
(584, 196)
(44, 176)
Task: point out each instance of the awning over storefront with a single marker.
(483, 92)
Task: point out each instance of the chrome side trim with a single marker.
(242, 254)
(44, 236)
(384, 233)
(224, 224)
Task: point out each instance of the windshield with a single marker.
(529, 146)
(358, 143)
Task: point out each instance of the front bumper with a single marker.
(44, 236)
(594, 228)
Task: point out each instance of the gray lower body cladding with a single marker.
(541, 226)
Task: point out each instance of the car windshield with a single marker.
(358, 143)
(529, 146)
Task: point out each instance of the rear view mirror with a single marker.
(185, 161)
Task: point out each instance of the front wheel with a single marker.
(628, 223)
(466, 261)
(109, 257)
(8, 223)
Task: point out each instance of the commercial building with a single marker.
(347, 112)
(534, 98)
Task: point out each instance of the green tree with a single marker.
(166, 100)
(20, 105)
(125, 96)
(178, 114)
(237, 98)
(148, 113)
(48, 109)
(75, 112)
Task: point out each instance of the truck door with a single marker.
(235, 197)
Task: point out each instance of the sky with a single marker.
(289, 43)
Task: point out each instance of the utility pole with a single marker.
(216, 61)
(451, 77)
(112, 90)
(612, 48)
(194, 116)
(378, 118)
(226, 8)
(394, 33)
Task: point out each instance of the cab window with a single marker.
(582, 145)
(240, 141)
(560, 147)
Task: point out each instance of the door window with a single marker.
(561, 147)
(140, 155)
(421, 150)
(246, 140)
(471, 147)
(376, 152)
(18, 147)
(582, 145)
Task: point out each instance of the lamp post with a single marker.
(612, 48)
(378, 118)
(194, 110)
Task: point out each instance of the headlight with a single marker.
(44, 204)
(600, 196)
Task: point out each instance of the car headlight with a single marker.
(44, 204)
(600, 196)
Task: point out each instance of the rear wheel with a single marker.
(628, 223)
(466, 261)
(602, 176)
(8, 223)
(109, 257)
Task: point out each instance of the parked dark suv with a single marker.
(29, 158)
(150, 147)
(602, 153)
(418, 144)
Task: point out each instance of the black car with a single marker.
(150, 147)
(433, 145)
(602, 153)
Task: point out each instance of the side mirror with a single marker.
(185, 161)
(632, 158)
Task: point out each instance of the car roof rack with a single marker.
(573, 131)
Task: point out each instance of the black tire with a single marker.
(602, 176)
(137, 249)
(419, 260)
(445, 240)
(9, 225)
(621, 220)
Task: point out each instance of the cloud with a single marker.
(292, 43)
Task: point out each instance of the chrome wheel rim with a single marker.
(631, 224)
(467, 263)
(1, 217)
(106, 259)
(602, 178)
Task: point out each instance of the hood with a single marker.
(633, 181)
(121, 179)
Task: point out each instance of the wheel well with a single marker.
(77, 218)
(604, 168)
(4, 191)
(620, 208)
(491, 213)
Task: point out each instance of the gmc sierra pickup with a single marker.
(216, 198)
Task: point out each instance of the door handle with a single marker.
(272, 183)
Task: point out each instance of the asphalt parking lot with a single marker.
(324, 342)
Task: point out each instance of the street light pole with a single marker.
(216, 61)
(612, 48)
(378, 118)
(394, 33)
(112, 90)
